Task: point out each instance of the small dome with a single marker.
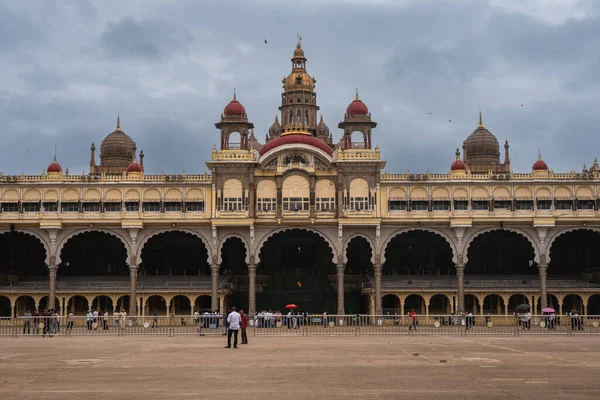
(458, 165)
(54, 167)
(275, 129)
(357, 107)
(322, 129)
(134, 167)
(539, 165)
(482, 146)
(234, 107)
(116, 151)
(298, 53)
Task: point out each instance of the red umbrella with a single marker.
(291, 306)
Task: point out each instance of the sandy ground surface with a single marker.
(374, 367)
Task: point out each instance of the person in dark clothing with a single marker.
(243, 325)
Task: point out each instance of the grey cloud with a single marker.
(169, 68)
(16, 31)
(149, 39)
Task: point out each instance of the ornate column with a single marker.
(251, 290)
(52, 269)
(214, 273)
(377, 268)
(543, 270)
(340, 289)
(460, 279)
(133, 269)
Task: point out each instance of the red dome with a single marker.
(539, 165)
(234, 108)
(458, 165)
(296, 139)
(134, 167)
(54, 167)
(357, 107)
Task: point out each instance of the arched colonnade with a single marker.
(459, 241)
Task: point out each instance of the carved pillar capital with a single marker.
(340, 268)
(133, 234)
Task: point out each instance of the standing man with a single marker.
(243, 326)
(413, 316)
(233, 319)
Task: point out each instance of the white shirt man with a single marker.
(233, 319)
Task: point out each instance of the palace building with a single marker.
(309, 216)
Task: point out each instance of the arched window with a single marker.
(325, 195)
(232, 195)
(295, 193)
(305, 117)
(266, 193)
(359, 194)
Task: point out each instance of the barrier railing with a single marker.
(203, 325)
(304, 325)
(301, 325)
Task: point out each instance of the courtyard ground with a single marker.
(374, 367)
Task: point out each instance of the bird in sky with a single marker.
(265, 41)
(449, 120)
(430, 113)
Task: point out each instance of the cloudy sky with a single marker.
(169, 68)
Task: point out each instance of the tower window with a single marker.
(298, 79)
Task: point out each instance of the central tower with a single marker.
(299, 100)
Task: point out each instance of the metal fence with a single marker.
(303, 325)
(465, 325)
(203, 325)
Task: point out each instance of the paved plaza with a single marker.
(382, 367)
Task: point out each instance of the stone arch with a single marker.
(419, 193)
(407, 306)
(224, 239)
(386, 242)
(561, 232)
(521, 232)
(151, 233)
(67, 237)
(32, 195)
(347, 243)
(36, 235)
(437, 296)
(132, 195)
(262, 242)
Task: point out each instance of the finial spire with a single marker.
(457, 154)
(118, 122)
(54, 153)
(539, 154)
(234, 98)
(480, 119)
(356, 93)
(299, 45)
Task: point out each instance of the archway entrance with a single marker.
(6, 307)
(22, 257)
(93, 254)
(501, 252)
(234, 270)
(298, 266)
(174, 253)
(390, 305)
(576, 254)
(24, 304)
(359, 254)
(418, 253)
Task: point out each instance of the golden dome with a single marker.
(299, 80)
